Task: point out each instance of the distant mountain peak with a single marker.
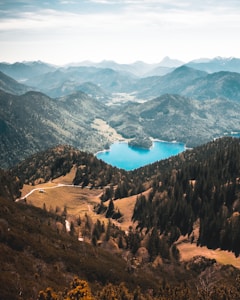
(217, 64)
(187, 69)
(170, 63)
(222, 58)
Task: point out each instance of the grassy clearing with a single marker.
(68, 178)
(80, 201)
(188, 251)
(126, 207)
(77, 201)
(106, 130)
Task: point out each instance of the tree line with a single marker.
(204, 189)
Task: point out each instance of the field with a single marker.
(189, 250)
(55, 196)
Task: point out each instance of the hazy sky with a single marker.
(63, 31)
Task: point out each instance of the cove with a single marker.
(125, 157)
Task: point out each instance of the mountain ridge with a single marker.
(9, 85)
(217, 64)
(34, 121)
(187, 81)
(108, 78)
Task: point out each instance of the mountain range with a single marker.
(43, 122)
(192, 83)
(173, 117)
(58, 105)
(217, 64)
(109, 77)
(22, 71)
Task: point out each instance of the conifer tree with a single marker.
(110, 209)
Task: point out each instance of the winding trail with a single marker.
(48, 188)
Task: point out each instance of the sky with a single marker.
(66, 31)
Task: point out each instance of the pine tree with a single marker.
(110, 209)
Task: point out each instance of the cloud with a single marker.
(123, 29)
(158, 12)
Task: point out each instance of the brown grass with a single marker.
(188, 251)
(126, 207)
(80, 201)
(106, 130)
(68, 178)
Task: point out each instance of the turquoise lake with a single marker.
(129, 158)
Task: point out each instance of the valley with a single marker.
(167, 230)
(63, 105)
(122, 98)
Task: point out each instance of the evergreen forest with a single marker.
(195, 194)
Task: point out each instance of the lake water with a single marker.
(129, 158)
(236, 135)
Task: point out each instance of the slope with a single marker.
(33, 122)
(37, 252)
(172, 83)
(9, 85)
(202, 186)
(109, 80)
(217, 85)
(217, 64)
(173, 117)
(21, 71)
(191, 83)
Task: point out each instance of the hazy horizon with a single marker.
(69, 31)
(91, 62)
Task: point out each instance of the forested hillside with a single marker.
(202, 185)
(34, 122)
(177, 118)
(9, 85)
(198, 189)
(41, 261)
(90, 171)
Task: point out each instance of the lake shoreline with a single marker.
(152, 139)
(123, 156)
